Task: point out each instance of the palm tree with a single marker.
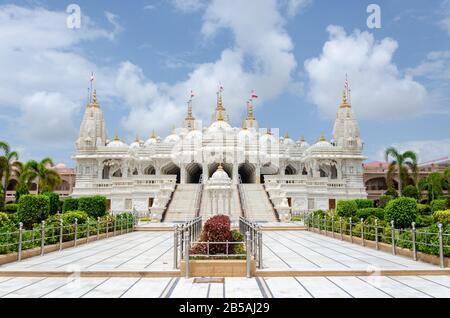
(402, 163)
(47, 178)
(435, 184)
(6, 165)
(24, 176)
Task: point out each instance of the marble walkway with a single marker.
(291, 287)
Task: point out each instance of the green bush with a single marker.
(442, 216)
(384, 200)
(4, 219)
(237, 248)
(403, 211)
(368, 212)
(70, 216)
(423, 209)
(438, 205)
(392, 192)
(70, 204)
(33, 209)
(319, 213)
(21, 190)
(54, 202)
(346, 208)
(94, 206)
(424, 220)
(364, 203)
(411, 192)
(11, 208)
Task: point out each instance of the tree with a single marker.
(6, 166)
(47, 178)
(434, 183)
(402, 163)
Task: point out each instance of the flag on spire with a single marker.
(220, 87)
(192, 94)
(92, 77)
(254, 96)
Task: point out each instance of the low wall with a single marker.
(218, 268)
(385, 247)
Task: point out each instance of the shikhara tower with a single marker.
(220, 169)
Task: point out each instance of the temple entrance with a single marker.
(193, 173)
(247, 173)
(226, 166)
(332, 204)
(171, 169)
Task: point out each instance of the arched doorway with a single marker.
(247, 173)
(171, 169)
(193, 173)
(226, 166)
(290, 170)
(268, 170)
(12, 185)
(149, 170)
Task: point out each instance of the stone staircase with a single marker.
(258, 206)
(182, 207)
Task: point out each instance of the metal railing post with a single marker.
(115, 224)
(75, 229)
(107, 227)
(247, 234)
(441, 247)
(351, 230)
(393, 237)
(376, 234)
(19, 247)
(318, 222)
(121, 225)
(325, 225)
(340, 228)
(260, 246)
(61, 228)
(413, 234)
(186, 253)
(87, 231)
(98, 228)
(42, 237)
(332, 226)
(175, 247)
(362, 232)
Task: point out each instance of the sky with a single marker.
(148, 55)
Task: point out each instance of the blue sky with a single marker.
(147, 55)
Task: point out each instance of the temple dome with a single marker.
(117, 144)
(220, 175)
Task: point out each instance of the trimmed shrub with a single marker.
(346, 208)
(237, 237)
(423, 209)
(216, 229)
(438, 205)
(442, 216)
(411, 192)
(364, 203)
(11, 208)
(424, 220)
(368, 212)
(21, 190)
(70, 216)
(33, 209)
(70, 204)
(384, 200)
(54, 202)
(392, 192)
(94, 206)
(4, 219)
(403, 211)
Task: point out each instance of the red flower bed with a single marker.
(216, 229)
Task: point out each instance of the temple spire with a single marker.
(322, 137)
(116, 138)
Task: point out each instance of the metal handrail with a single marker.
(242, 197)
(199, 197)
(431, 243)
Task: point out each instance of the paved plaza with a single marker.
(283, 251)
(286, 287)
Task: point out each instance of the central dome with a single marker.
(219, 125)
(220, 174)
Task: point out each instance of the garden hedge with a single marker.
(392, 192)
(70, 204)
(364, 203)
(442, 216)
(33, 209)
(11, 208)
(94, 206)
(423, 209)
(346, 208)
(384, 200)
(54, 202)
(411, 192)
(438, 205)
(403, 211)
(368, 212)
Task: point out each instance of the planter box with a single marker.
(217, 268)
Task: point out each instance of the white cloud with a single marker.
(379, 90)
(444, 23)
(435, 67)
(44, 76)
(426, 149)
(189, 5)
(294, 7)
(259, 36)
